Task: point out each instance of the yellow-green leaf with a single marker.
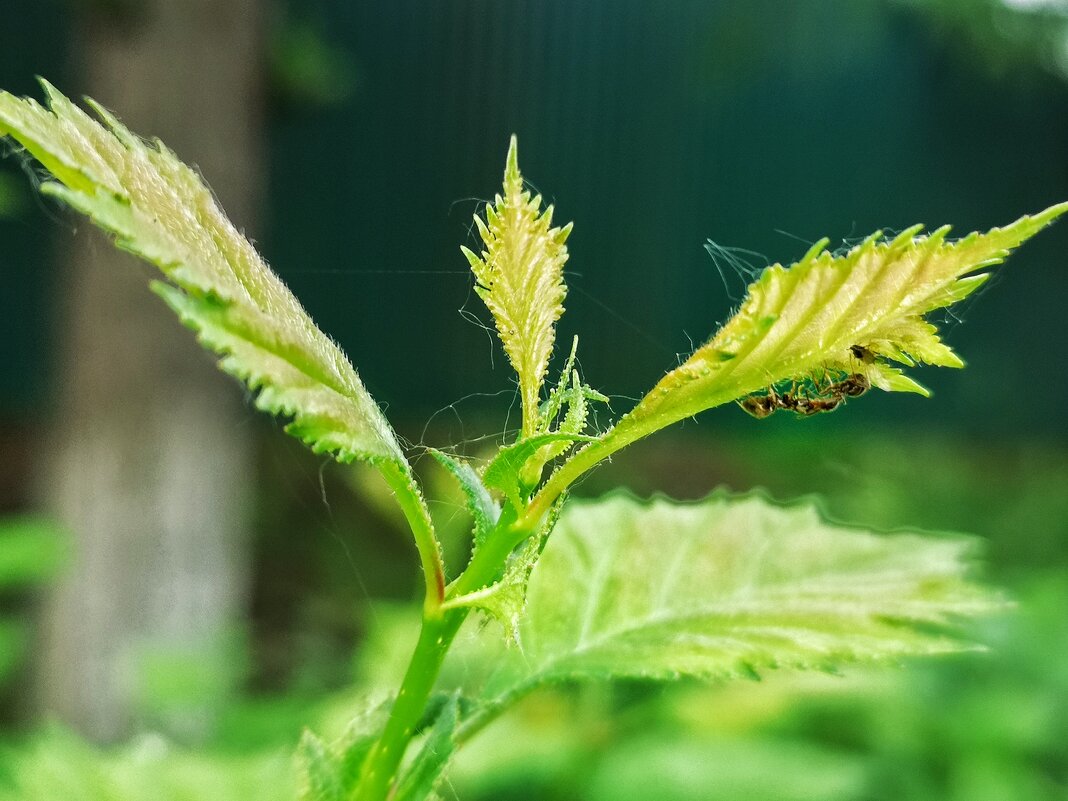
(520, 277)
(833, 315)
(159, 209)
(732, 586)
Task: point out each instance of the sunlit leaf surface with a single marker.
(520, 277)
(732, 586)
(831, 316)
(159, 209)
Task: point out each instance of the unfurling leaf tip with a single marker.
(511, 163)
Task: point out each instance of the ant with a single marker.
(852, 386)
(811, 406)
(827, 399)
(761, 406)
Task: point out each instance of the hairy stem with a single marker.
(530, 412)
(415, 512)
(441, 623)
(380, 769)
(640, 422)
(439, 629)
(581, 461)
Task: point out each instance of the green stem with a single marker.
(438, 631)
(489, 558)
(440, 625)
(640, 422)
(415, 511)
(570, 471)
(530, 413)
(380, 769)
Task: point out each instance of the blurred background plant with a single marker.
(31, 552)
(222, 588)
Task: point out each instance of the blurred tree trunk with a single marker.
(151, 454)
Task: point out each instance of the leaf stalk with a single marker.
(415, 512)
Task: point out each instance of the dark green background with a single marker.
(653, 125)
(763, 125)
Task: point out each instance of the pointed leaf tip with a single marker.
(519, 276)
(800, 328)
(511, 162)
(158, 208)
(1052, 213)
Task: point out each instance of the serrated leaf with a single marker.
(730, 586)
(483, 509)
(425, 772)
(330, 772)
(159, 209)
(576, 398)
(567, 408)
(317, 772)
(505, 600)
(574, 422)
(809, 320)
(549, 410)
(520, 277)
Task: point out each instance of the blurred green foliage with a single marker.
(984, 726)
(1001, 36)
(1009, 492)
(31, 551)
(307, 69)
(181, 689)
(977, 728)
(56, 766)
(989, 726)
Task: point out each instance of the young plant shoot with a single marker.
(593, 590)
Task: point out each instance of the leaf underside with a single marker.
(159, 209)
(483, 509)
(829, 316)
(728, 587)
